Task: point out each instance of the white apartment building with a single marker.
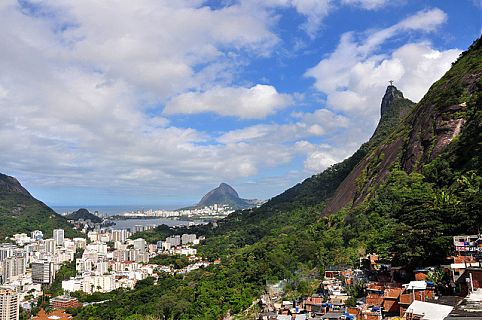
(6, 250)
(50, 246)
(12, 268)
(36, 235)
(140, 244)
(9, 305)
(59, 237)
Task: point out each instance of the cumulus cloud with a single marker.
(78, 80)
(256, 102)
(321, 122)
(355, 74)
(320, 156)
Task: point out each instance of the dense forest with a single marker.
(408, 216)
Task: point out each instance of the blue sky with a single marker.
(153, 103)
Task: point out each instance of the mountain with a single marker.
(403, 195)
(83, 214)
(320, 187)
(21, 212)
(226, 195)
(394, 108)
(437, 120)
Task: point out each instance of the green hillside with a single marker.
(83, 214)
(20, 212)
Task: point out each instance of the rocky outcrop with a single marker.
(10, 184)
(375, 166)
(433, 129)
(414, 136)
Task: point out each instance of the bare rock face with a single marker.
(432, 131)
(375, 167)
(10, 184)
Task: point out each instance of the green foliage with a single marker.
(23, 213)
(66, 271)
(176, 261)
(83, 214)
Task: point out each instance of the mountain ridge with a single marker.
(423, 134)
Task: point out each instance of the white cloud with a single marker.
(162, 47)
(321, 156)
(321, 122)
(319, 161)
(355, 75)
(367, 4)
(256, 102)
(314, 11)
(77, 98)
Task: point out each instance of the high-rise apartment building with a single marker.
(50, 246)
(9, 304)
(12, 267)
(6, 250)
(59, 237)
(43, 272)
(37, 235)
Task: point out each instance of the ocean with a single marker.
(130, 223)
(112, 210)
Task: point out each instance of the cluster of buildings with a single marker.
(27, 264)
(109, 260)
(455, 293)
(113, 260)
(216, 210)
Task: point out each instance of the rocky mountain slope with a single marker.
(322, 186)
(437, 120)
(21, 212)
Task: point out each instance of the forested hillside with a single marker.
(20, 212)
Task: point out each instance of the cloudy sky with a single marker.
(153, 102)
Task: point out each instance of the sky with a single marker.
(154, 103)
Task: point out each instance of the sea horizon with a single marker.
(114, 209)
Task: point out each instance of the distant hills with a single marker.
(226, 195)
(83, 214)
(20, 212)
